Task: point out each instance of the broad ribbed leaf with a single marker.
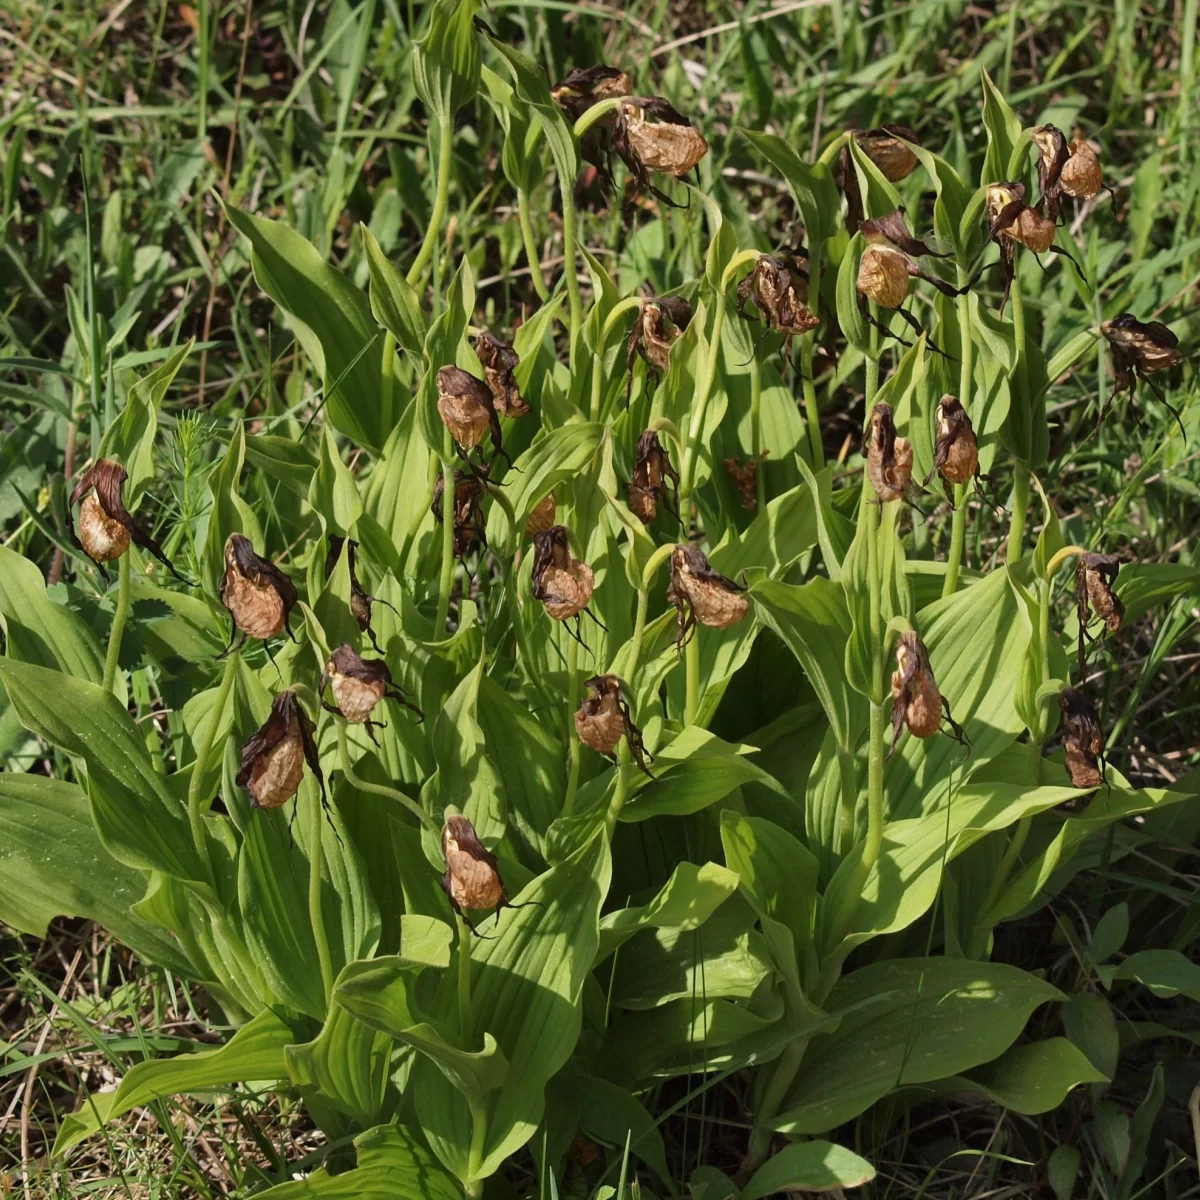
(809, 1167)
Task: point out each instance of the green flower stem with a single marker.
(630, 667)
(195, 798)
(783, 1074)
(958, 525)
(378, 789)
(621, 794)
(597, 386)
(316, 914)
(848, 774)
(438, 215)
(1057, 561)
(691, 666)
(120, 619)
(812, 412)
(446, 582)
(574, 683)
(1020, 502)
(756, 437)
(464, 982)
(570, 254)
(531, 252)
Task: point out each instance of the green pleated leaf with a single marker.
(333, 493)
(1003, 132)
(394, 303)
(254, 1053)
(441, 350)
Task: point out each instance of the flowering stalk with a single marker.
(446, 581)
(438, 215)
(958, 526)
(756, 438)
(120, 619)
(378, 789)
(574, 686)
(811, 411)
(316, 914)
(1020, 502)
(531, 251)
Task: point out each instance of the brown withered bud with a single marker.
(659, 325)
(467, 410)
(1094, 579)
(105, 526)
(603, 718)
(889, 456)
(273, 758)
(582, 87)
(472, 880)
(258, 595)
(470, 528)
(745, 478)
(561, 582)
(916, 701)
(1140, 349)
(542, 517)
(780, 293)
(653, 477)
(651, 135)
(360, 601)
(358, 685)
(887, 264)
(499, 360)
(699, 593)
(956, 451)
(886, 149)
(1083, 739)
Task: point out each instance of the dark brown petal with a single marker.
(956, 451)
(470, 527)
(1094, 579)
(780, 294)
(891, 227)
(1148, 344)
(1052, 157)
(582, 87)
(889, 457)
(472, 879)
(651, 472)
(542, 516)
(887, 151)
(699, 593)
(1083, 739)
(499, 361)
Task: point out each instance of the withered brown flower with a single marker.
(1094, 579)
(603, 718)
(1083, 739)
(887, 264)
(360, 601)
(273, 758)
(745, 478)
(779, 290)
(699, 593)
(542, 517)
(467, 410)
(956, 450)
(916, 701)
(885, 147)
(105, 525)
(651, 135)
(499, 360)
(1140, 349)
(889, 456)
(1072, 170)
(561, 582)
(472, 880)
(1013, 223)
(582, 87)
(652, 470)
(659, 325)
(359, 684)
(258, 595)
(470, 528)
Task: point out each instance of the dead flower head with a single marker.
(651, 135)
(1065, 170)
(888, 262)
(466, 407)
(499, 360)
(745, 478)
(603, 718)
(360, 601)
(1013, 223)
(1094, 579)
(885, 147)
(889, 456)
(542, 517)
(561, 582)
(651, 472)
(1140, 349)
(105, 526)
(1083, 739)
(701, 594)
(273, 758)
(780, 293)
(470, 529)
(582, 87)
(659, 325)
(359, 684)
(916, 701)
(472, 877)
(956, 451)
(258, 595)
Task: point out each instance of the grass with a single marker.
(156, 116)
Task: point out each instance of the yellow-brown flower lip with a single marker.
(885, 147)
(916, 701)
(273, 758)
(956, 450)
(700, 593)
(659, 325)
(359, 684)
(650, 134)
(105, 525)
(499, 361)
(470, 529)
(603, 718)
(467, 409)
(1083, 739)
(780, 293)
(563, 583)
(889, 456)
(652, 471)
(472, 877)
(542, 516)
(258, 595)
